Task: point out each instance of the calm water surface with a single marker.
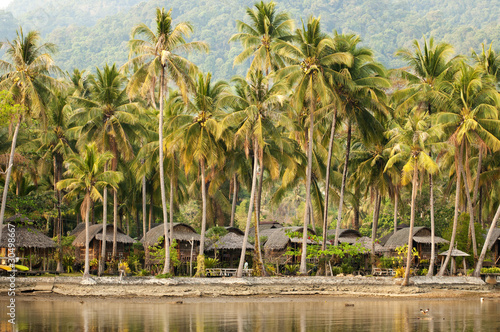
(257, 314)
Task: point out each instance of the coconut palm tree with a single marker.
(86, 175)
(198, 131)
(431, 67)
(109, 118)
(310, 74)
(260, 37)
(54, 140)
(155, 56)
(471, 119)
(29, 78)
(361, 98)
(253, 122)
(409, 146)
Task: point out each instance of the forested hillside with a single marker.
(91, 33)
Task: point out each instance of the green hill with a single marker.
(91, 33)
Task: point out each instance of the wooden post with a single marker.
(191, 258)
(465, 267)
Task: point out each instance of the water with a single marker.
(255, 314)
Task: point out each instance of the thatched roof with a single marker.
(95, 231)
(420, 235)
(345, 235)
(264, 226)
(234, 230)
(366, 242)
(279, 239)
(230, 241)
(80, 227)
(455, 253)
(182, 232)
(26, 237)
(494, 238)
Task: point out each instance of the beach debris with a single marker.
(349, 304)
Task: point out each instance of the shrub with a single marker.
(336, 270)
(490, 270)
(164, 275)
(347, 269)
(211, 262)
(291, 269)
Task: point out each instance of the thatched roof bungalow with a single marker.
(183, 234)
(123, 241)
(421, 241)
(229, 248)
(234, 230)
(28, 240)
(279, 240)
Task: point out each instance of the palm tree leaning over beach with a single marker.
(29, 78)
(86, 175)
(156, 61)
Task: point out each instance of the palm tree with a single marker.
(253, 121)
(29, 79)
(156, 60)
(55, 141)
(431, 68)
(409, 145)
(361, 98)
(200, 143)
(309, 73)
(471, 119)
(86, 176)
(260, 37)
(108, 118)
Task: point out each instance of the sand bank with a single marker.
(154, 288)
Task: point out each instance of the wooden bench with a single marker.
(376, 271)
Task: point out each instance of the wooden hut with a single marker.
(494, 246)
(229, 248)
(278, 242)
(186, 237)
(123, 243)
(421, 241)
(80, 227)
(32, 246)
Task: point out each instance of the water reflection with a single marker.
(261, 314)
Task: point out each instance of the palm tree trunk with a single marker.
(430, 273)
(455, 217)
(396, 212)
(233, 205)
(257, 211)
(327, 180)
(102, 263)
(171, 223)
(86, 271)
(344, 178)
(58, 171)
(151, 207)
(376, 212)
(477, 270)
(144, 208)
(356, 218)
(406, 280)
(201, 256)
(166, 266)
(478, 175)
(472, 229)
(115, 221)
(308, 212)
(239, 273)
(9, 171)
